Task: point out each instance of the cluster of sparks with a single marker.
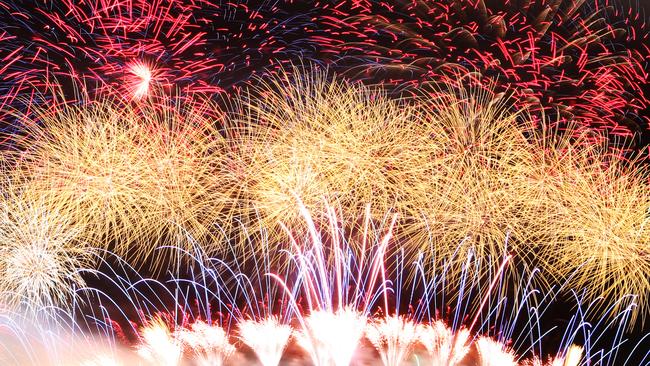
(331, 339)
(134, 47)
(333, 327)
(178, 136)
(578, 61)
(457, 169)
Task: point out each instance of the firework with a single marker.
(133, 47)
(140, 82)
(573, 356)
(584, 62)
(493, 353)
(208, 343)
(268, 338)
(334, 289)
(477, 197)
(332, 338)
(443, 346)
(128, 177)
(158, 344)
(604, 233)
(56, 340)
(307, 135)
(40, 253)
(394, 338)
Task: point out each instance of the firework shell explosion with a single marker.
(582, 61)
(604, 211)
(316, 140)
(335, 304)
(444, 182)
(477, 191)
(128, 177)
(461, 174)
(466, 176)
(135, 48)
(579, 61)
(456, 167)
(41, 253)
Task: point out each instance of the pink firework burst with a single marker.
(570, 61)
(189, 46)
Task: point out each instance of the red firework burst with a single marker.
(569, 60)
(134, 48)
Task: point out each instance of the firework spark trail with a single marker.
(500, 315)
(40, 253)
(188, 45)
(393, 337)
(336, 304)
(579, 61)
(126, 176)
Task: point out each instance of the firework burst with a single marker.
(158, 344)
(40, 252)
(135, 46)
(603, 239)
(443, 346)
(493, 353)
(332, 338)
(208, 343)
(325, 140)
(268, 338)
(334, 286)
(128, 177)
(578, 61)
(394, 338)
(477, 196)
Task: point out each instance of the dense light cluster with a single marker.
(129, 178)
(331, 182)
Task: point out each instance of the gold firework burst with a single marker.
(132, 176)
(603, 231)
(316, 139)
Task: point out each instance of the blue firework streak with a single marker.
(327, 272)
